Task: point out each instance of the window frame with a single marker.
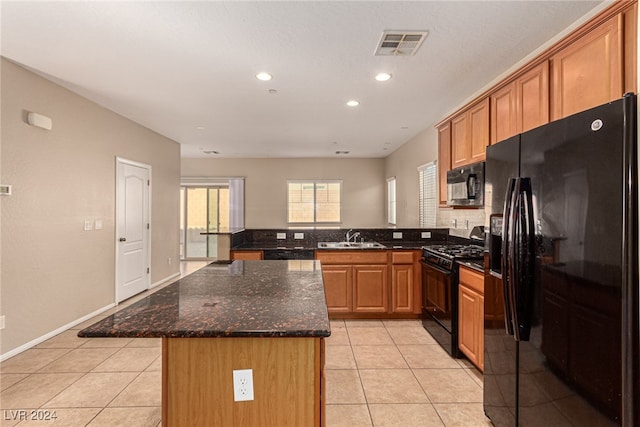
(392, 201)
(315, 182)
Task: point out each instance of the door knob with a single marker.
(123, 239)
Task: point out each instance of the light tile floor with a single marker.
(378, 373)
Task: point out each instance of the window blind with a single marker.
(427, 175)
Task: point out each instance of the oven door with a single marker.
(436, 294)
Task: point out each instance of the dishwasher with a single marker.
(270, 254)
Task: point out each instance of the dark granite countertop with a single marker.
(242, 299)
(477, 265)
(262, 246)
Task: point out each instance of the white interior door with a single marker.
(132, 228)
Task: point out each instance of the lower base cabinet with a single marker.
(370, 289)
(338, 287)
(471, 316)
(367, 284)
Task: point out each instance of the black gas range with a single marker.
(445, 255)
(440, 290)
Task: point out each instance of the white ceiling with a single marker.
(177, 66)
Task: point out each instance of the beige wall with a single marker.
(363, 191)
(403, 164)
(53, 272)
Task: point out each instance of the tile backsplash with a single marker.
(459, 221)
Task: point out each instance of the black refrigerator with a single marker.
(561, 202)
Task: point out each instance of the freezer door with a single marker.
(570, 368)
(500, 349)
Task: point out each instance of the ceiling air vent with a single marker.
(400, 43)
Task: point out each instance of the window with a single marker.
(312, 202)
(391, 200)
(427, 183)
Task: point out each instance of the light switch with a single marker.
(88, 225)
(98, 224)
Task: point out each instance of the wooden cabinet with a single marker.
(355, 281)
(471, 316)
(503, 113)
(444, 160)
(588, 72)
(470, 135)
(405, 283)
(338, 287)
(521, 105)
(247, 255)
(371, 283)
(370, 289)
(532, 98)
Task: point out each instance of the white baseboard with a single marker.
(165, 280)
(52, 334)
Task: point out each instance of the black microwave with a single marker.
(465, 186)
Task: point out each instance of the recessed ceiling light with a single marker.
(383, 77)
(353, 103)
(273, 91)
(210, 152)
(265, 77)
(199, 127)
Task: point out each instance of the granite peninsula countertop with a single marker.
(241, 299)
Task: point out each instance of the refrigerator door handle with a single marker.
(525, 259)
(505, 264)
(513, 258)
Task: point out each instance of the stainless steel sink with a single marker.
(350, 245)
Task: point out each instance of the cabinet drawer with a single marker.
(352, 257)
(472, 279)
(402, 257)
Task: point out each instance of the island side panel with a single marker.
(198, 385)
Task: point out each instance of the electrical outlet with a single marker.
(169, 260)
(298, 236)
(1, 322)
(242, 385)
(98, 224)
(426, 234)
(281, 236)
(454, 223)
(397, 235)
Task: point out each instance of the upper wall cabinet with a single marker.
(444, 160)
(588, 72)
(470, 134)
(521, 105)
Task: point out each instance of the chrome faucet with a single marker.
(350, 236)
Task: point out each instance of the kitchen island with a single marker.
(267, 316)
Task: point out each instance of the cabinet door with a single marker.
(338, 287)
(469, 318)
(588, 72)
(479, 130)
(370, 291)
(460, 150)
(503, 113)
(532, 98)
(444, 159)
(402, 288)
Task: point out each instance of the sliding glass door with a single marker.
(202, 210)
